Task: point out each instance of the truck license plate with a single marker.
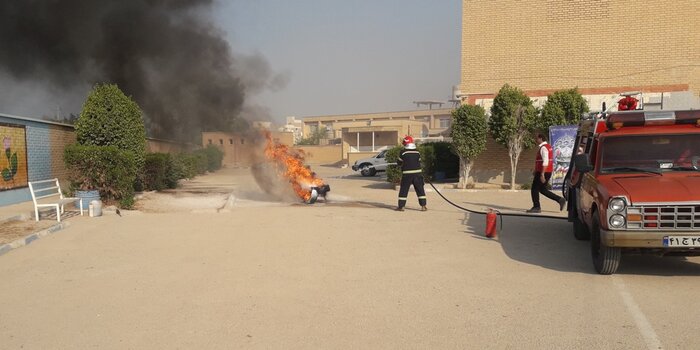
(681, 241)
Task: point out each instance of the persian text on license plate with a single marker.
(682, 241)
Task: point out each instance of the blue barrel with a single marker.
(87, 197)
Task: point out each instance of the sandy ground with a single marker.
(220, 265)
(15, 229)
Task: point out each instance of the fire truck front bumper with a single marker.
(677, 240)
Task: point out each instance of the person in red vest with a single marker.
(544, 164)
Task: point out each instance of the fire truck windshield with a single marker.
(650, 153)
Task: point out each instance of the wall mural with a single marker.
(13, 161)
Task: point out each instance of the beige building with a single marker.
(362, 135)
(601, 46)
(238, 147)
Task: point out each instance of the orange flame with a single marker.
(290, 165)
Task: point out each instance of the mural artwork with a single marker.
(13, 161)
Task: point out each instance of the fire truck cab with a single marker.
(633, 185)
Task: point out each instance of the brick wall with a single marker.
(558, 44)
(323, 154)
(60, 137)
(165, 146)
(493, 165)
(45, 142)
(239, 148)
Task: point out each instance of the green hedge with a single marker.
(445, 160)
(108, 169)
(185, 166)
(214, 157)
(159, 172)
(162, 170)
(435, 156)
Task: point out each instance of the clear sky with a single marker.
(344, 57)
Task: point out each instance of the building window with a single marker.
(445, 123)
(210, 141)
(230, 141)
(242, 141)
(221, 141)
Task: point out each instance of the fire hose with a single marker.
(490, 213)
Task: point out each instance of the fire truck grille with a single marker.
(672, 217)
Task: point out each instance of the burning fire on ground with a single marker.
(289, 163)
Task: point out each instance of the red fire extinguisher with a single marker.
(491, 217)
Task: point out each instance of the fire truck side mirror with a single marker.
(581, 163)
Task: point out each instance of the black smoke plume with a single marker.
(164, 53)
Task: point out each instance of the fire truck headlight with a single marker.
(617, 221)
(617, 204)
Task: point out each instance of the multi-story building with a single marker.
(361, 135)
(294, 126)
(603, 47)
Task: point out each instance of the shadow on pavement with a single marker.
(550, 244)
(510, 209)
(537, 241)
(380, 185)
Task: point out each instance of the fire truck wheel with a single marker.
(581, 232)
(367, 170)
(606, 259)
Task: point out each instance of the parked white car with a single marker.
(370, 166)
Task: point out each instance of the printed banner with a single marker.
(13, 160)
(562, 139)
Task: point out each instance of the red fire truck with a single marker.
(634, 186)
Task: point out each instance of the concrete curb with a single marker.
(18, 217)
(31, 238)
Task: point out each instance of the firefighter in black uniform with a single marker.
(409, 160)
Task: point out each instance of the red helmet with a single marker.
(407, 140)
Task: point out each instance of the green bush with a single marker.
(208, 159)
(446, 160)
(201, 161)
(185, 166)
(393, 172)
(215, 157)
(110, 118)
(427, 157)
(108, 169)
(427, 160)
(159, 172)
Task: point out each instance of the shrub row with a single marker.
(435, 157)
(113, 171)
(162, 170)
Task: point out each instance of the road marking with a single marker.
(643, 325)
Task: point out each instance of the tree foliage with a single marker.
(110, 118)
(511, 123)
(108, 169)
(563, 107)
(468, 133)
(314, 138)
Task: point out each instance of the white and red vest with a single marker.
(538, 160)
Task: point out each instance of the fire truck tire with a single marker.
(606, 259)
(581, 232)
(367, 170)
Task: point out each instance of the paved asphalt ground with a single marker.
(350, 273)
